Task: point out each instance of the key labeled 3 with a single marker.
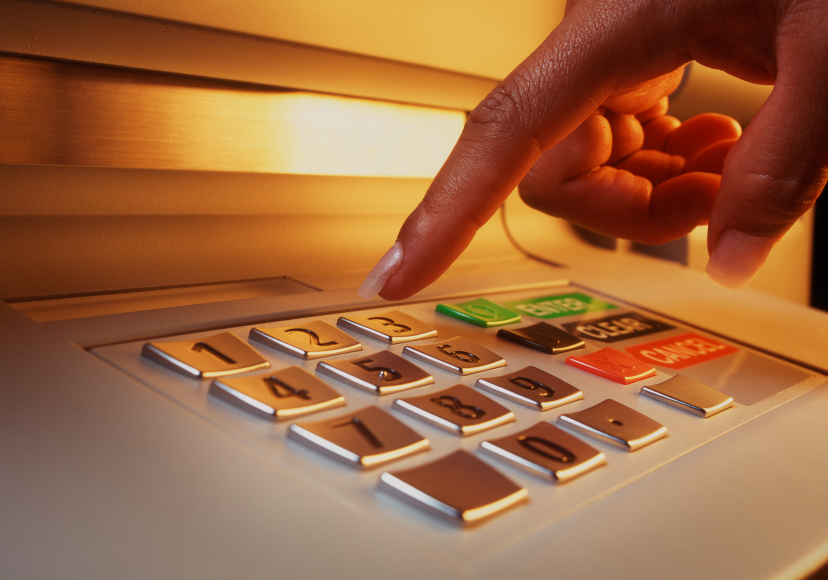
(392, 327)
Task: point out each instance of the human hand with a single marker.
(606, 68)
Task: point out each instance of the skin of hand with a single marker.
(580, 127)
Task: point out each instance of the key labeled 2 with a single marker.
(308, 340)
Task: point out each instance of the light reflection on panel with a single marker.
(73, 114)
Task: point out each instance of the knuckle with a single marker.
(435, 210)
(509, 110)
(501, 107)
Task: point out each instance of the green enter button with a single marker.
(560, 305)
(480, 312)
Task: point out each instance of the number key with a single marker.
(457, 355)
(212, 356)
(285, 394)
(532, 387)
(458, 409)
(545, 450)
(308, 340)
(380, 373)
(363, 439)
(392, 327)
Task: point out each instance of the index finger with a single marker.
(566, 79)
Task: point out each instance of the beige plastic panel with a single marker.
(67, 230)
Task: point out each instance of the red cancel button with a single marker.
(680, 351)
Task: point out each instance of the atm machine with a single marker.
(192, 388)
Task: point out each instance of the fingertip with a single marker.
(657, 110)
(737, 258)
(684, 201)
(657, 130)
(378, 278)
(653, 165)
(711, 159)
(699, 132)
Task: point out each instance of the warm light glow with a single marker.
(325, 135)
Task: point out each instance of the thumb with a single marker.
(772, 176)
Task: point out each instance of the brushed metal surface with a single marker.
(51, 30)
(75, 114)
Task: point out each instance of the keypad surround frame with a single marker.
(547, 502)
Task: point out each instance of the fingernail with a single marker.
(385, 268)
(736, 258)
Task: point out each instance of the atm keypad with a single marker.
(554, 421)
